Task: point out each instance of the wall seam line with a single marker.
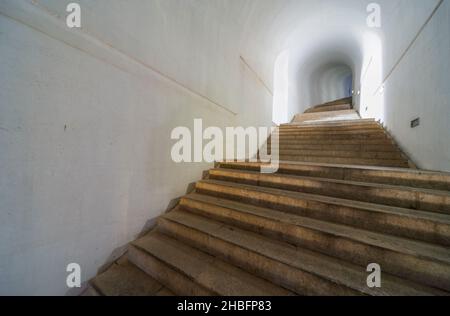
(106, 45)
(414, 40)
(256, 75)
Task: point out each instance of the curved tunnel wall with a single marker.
(86, 115)
(399, 70)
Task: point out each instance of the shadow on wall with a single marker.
(329, 82)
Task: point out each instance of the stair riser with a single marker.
(347, 100)
(325, 142)
(342, 154)
(393, 224)
(412, 179)
(352, 124)
(410, 267)
(365, 193)
(330, 109)
(298, 281)
(340, 123)
(291, 137)
(174, 280)
(330, 130)
(347, 161)
(314, 132)
(351, 148)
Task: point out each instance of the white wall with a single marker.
(411, 61)
(86, 115)
(419, 87)
(85, 119)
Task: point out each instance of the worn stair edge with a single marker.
(418, 261)
(278, 261)
(339, 126)
(400, 196)
(382, 155)
(423, 249)
(332, 136)
(126, 280)
(324, 142)
(174, 280)
(433, 227)
(329, 108)
(314, 132)
(206, 270)
(343, 122)
(394, 176)
(346, 161)
(338, 148)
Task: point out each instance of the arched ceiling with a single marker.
(318, 32)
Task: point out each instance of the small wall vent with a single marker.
(415, 122)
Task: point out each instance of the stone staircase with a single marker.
(344, 197)
(338, 105)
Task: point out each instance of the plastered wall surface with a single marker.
(419, 88)
(86, 123)
(86, 115)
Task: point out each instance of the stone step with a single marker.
(343, 128)
(425, 226)
(173, 279)
(324, 142)
(400, 196)
(209, 272)
(392, 176)
(332, 124)
(391, 155)
(328, 132)
(399, 163)
(338, 101)
(418, 261)
(125, 279)
(360, 147)
(328, 108)
(343, 122)
(331, 136)
(301, 270)
(327, 116)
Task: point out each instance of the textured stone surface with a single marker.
(309, 229)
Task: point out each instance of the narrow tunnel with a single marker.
(86, 114)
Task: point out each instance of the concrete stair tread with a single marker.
(362, 167)
(402, 245)
(210, 272)
(332, 136)
(126, 280)
(336, 107)
(332, 269)
(336, 181)
(342, 198)
(324, 141)
(331, 123)
(395, 195)
(382, 155)
(334, 102)
(357, 161)
(372, 207)
(375, 174)
(348, 148)
(368, 127)
(313, 132)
